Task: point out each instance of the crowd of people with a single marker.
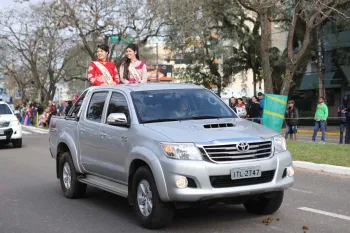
(255, 110)
(37, 115)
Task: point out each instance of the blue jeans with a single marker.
(343, 127)
(319, 125)
(347, 137)
(291, 129)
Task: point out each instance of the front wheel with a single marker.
(265, 204)
(150, 211)
(17, 143)
(70, 185)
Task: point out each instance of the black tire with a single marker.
(76, 189)
(162, 213)
(266, 204)
(17, 143)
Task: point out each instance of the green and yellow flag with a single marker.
(274, 109)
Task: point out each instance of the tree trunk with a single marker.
(264, 49)
(219, 85)
(39, 95)
(254, 82)
(287, 81)
(322, 91)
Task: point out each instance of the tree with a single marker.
(38, 44)
(22, 35)
(94, 22)
(196, 32)
(313, 13)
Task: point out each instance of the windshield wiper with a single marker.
(160, 120)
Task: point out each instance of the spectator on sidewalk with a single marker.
(254, 110)
(346, 103)
(343, 122)
(291, 117)
(261, 103)
(321, 116)
(232, 103)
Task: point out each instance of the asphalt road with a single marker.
(31, 201)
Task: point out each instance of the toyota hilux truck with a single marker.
(168, 146)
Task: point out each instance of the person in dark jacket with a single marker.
(254, 110)
(291, 117)
(233, 103)
(346, 103)
(343, 122)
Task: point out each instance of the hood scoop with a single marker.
(221, 125)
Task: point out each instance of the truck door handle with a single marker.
(82, 130)
(103, 135)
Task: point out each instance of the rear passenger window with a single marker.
(95, 109)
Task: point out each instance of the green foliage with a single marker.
(196, 74)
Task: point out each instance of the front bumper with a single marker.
(203, 177)
(9, 133)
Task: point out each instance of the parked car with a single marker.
(167, 146)
(10, 127)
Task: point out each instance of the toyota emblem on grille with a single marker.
(242, 146)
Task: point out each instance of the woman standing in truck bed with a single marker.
(103, 72)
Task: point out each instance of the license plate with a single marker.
(247, 172)
(2, 137)
(1, 132)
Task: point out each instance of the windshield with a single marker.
(181, 104)
(4, 109)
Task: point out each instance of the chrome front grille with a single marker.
(232, 152)
(4, 124)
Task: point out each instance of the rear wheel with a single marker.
(150, 211)
(17, 143)
(70, 185)
(265, 204)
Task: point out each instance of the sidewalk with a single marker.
(31, 127)
(330, 130)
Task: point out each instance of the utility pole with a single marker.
(320, 64)
(157, 63)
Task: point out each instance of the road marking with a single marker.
(325, 213)
(26, 132)
(302, 191)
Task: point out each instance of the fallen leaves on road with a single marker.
(267, 220)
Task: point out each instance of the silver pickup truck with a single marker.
(168, 146)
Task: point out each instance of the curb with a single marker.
(305, 131)
(323, 167)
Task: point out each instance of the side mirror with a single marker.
(241, 112)
(117, 119)
(16, 112)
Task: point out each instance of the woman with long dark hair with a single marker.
(132, 70)
(103, 72)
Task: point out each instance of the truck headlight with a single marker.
(280, 144)
(14, 123)
(184, 151)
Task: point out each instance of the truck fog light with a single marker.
(181, 182)
(290, 171)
